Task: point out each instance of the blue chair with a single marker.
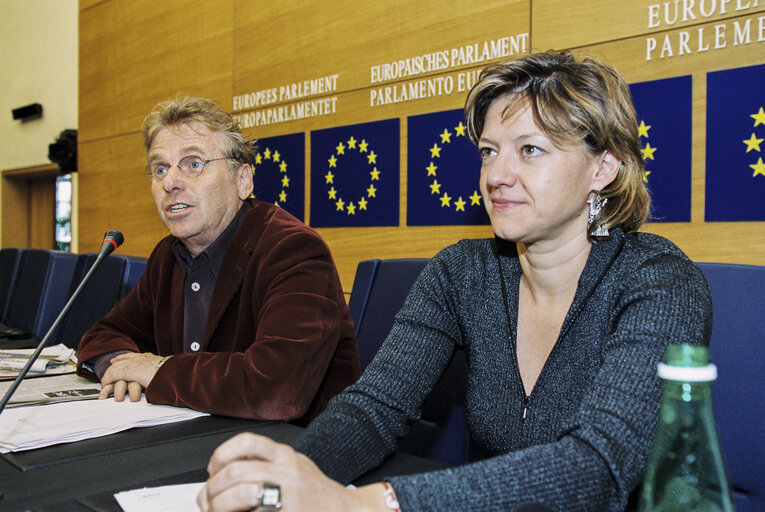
(41, 291)
(379, 290)
(135, 266)
(738, 350)
(10, 260)
(97, 297)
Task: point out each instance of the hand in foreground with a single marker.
(239, 468)
(129, 374)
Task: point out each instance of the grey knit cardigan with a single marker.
(590, 419)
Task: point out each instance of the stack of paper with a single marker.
(50, 389)
(168, 498)
(25, 428)
(56, 359)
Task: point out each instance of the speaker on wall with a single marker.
(28, 112)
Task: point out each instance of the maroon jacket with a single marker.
(279, 340)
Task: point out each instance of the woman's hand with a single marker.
(242, 465)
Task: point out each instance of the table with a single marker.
(83, 476)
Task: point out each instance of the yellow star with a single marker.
(340, 149)
(460, 129)
(759, 117)
(285, 182)
(459, 204)
(753, 143)
(645, 176)
(332, 193)
(435, 151)
(375, 174)
(258, 159)
(283, 166)
(283, 197)
(351, 209)
(431, 169)
(759, 167)
(475, 199)
(332, 161)
(329, 177)
(371, 191)
(363, 146)
(643, 129)
(275, 156)
(648, 151)
(445, 200)
(362, 204)
(435, 187)
(446, 136)
(267, 154)
(340, 205)
(351, 143)
(372, 158)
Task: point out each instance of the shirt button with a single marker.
(194, 347)
(195, 287)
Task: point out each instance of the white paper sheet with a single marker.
(168, 498)
(25, 428)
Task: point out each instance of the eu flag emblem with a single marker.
(443, 168)
(735, 179)
(664, 109)
(278, 172)
(355, 175)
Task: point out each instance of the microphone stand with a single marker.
(105, 251)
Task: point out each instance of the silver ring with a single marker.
(270, 497)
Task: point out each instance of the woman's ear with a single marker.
(606, 171)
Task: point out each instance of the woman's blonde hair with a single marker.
(185, 109)
(574, 101)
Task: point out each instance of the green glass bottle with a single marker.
(686, 469)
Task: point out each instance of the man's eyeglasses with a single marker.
(191, 166)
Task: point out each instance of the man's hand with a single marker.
(129, 374)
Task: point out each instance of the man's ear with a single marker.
(606, 171)
(244, 181)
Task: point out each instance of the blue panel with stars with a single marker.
(664, 110)
(443, 169)
(735, 180)
(279, 172)
(355, 175)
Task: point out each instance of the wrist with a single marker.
(377, 497)
(161, 362)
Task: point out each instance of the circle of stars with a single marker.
(276, 158)
(432, 168)
(647, 151)
(374, 175)
(753, 144)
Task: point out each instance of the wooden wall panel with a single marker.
(117, 195)
(566, 24)
(134, 53)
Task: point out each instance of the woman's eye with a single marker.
(486, 152)
(159, 170)
(529, 150)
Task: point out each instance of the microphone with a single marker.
(112, 239)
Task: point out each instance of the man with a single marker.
(240, 311)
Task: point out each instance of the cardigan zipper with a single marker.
(525, 405)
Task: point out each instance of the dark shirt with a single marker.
(201, 273)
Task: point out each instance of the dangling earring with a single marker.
(597, 204)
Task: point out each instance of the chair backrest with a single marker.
(41, 290)
(97, 297)
(135, 266)
(379, 290)
(9, 267)
(738, 350)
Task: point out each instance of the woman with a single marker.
(563, 317)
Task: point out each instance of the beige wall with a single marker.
(239, 47)
(38, 64)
